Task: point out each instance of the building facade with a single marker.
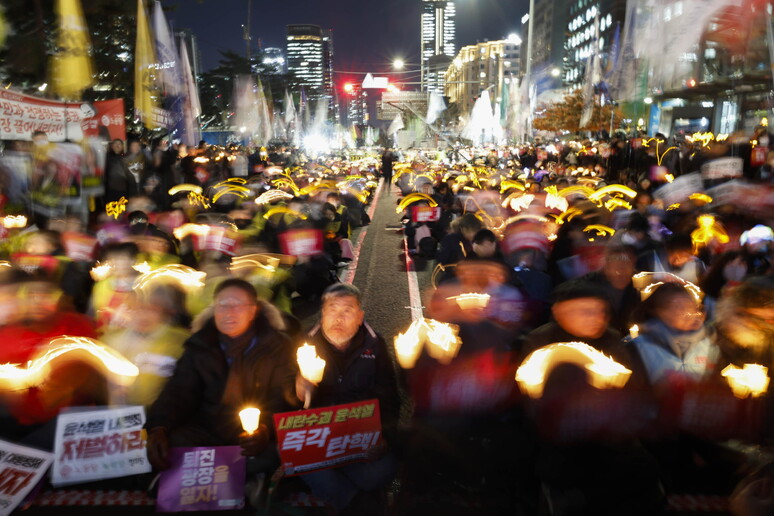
(581, 37)
(438, 34)
(493, 65)
(310, 59)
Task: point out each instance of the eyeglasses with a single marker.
(224, 306)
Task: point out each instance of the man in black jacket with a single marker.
(240, 358)
(357, 368)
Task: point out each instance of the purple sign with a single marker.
(203, 479)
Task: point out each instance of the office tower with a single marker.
(438, 42)
(310, 59)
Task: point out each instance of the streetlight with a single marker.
(555, 72)
(398, 64)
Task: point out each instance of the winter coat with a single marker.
(195, 394)
(364, 371)
(663, 351)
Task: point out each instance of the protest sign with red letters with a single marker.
(20, 470)
(425, 213)
(301, 242)
(203, 479)
(21, 115)
(98, 444)
(218, 239)
(310, 440)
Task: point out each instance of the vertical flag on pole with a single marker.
(191, 107)
(146, 102)
(592, 77)
(71, 67)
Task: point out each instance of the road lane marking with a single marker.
(348, 275)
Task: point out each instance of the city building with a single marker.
(437, 41)
(580, 36)
(722, 83)
(310, 59)
(356, 104)
(491, 65)
(273, 59)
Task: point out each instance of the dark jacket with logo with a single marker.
(364, 371)
(196, 393)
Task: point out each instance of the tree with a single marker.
(566, 115)
(217, 86)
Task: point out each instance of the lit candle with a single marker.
(408, 346)
(250, 418)
(634, 331)
(749, 380)
(312, 367)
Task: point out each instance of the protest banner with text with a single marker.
(309, 440)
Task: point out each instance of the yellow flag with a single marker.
(71, 67)
(146, 100)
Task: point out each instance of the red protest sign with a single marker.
(218, 239)
(758, 156)
(301, 242)
(79, 246)
(425, 213)
(309, 440)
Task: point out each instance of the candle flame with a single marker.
(602, 371)
(312, 367)
(749, 380)
(250, 418)
(17, 377)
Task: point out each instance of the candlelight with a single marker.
(312, 367)
(100, 271)
(602, 371)
(408, 346)
(187, 277)
(443, 341)
(749, 380)
(634, 331)
(250, 418)
(471, 300)
(16, 377)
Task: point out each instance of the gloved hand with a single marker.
(158, 447)
(255, 443)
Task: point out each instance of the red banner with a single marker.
(21, 115)
(218, 239)
(425, 214)
(309, 440)
(301, 242)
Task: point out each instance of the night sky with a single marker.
(367, 34)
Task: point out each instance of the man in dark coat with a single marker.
(357, 368)
(240, 358)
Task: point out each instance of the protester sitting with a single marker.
(241, 357)
(153, 342)
(358, 367)
(581, 313)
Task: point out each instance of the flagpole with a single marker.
(527, 73)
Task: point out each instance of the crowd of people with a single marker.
(632, 254)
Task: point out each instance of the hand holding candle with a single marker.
(311, 366)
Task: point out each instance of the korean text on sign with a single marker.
(202, 479)
(20, 470)
(327, 437)
(99, 444)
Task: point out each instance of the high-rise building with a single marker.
(438, 42)
(490, 65)
(580, 42)
(273, 60)
(310, 59)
